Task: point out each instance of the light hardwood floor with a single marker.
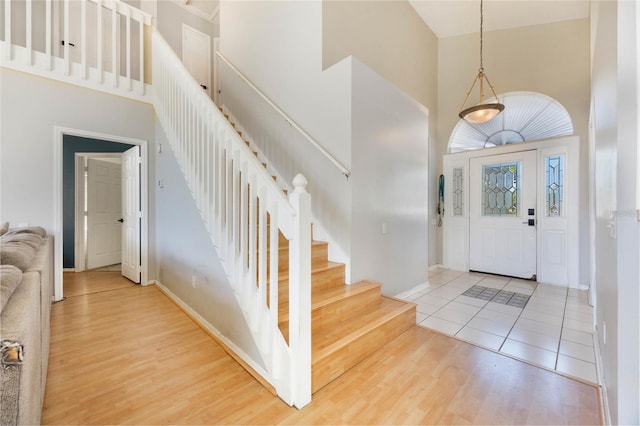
(128, 355)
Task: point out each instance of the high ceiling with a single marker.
(457, 17)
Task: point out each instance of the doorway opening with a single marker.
(136, 223)
(98, 211)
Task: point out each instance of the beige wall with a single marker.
(552, 59)
(389, 37)
(392, 39)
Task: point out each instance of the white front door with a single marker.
(104, 208)
(502, 214)
(131, 175)
(196, 55)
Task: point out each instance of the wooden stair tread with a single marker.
(285, 246)
(326, 342)
(318, 267)
(325, 296)
(344, 344)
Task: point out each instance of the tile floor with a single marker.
(554, 330)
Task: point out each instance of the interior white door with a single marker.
(502, 214)
(131, 214)
(196, 55)
(104, 208)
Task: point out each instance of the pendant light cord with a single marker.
(481, 25)
(482, 77)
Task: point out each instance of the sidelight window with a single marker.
(554, 167)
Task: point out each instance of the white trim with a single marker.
(637, 79)
(591, 173)
(210, 328)
(215, 13)
(216, 71)
(437, 266)
(413, 290)
(79, 243)
(58, 135)
(69, 270)
(195, 11)
(604, 400)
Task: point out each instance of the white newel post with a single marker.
(300, 294)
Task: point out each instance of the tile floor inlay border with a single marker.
(503, 297)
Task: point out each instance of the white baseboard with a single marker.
(68, 269)
(436, 266)
(411, 291)
(604, 400)
(215, 332)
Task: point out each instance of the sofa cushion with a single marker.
(20, 322)
(10, 278)
(16, 254)
(34, 240)
(4, 227)
(28, 230)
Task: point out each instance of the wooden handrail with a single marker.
(288, 119)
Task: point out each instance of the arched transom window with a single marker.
(527, 116)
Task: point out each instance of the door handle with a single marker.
(121, 220)
(530, 222)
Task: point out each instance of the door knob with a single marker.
(121, 220)
(530, 222)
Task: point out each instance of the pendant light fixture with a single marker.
(482, 112)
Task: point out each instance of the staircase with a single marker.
(348, 322)
(308, 326)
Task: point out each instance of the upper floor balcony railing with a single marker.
(100, 44)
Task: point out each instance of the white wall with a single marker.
(187, 263)
(31, 107)
(287, 66)
(371, 31)
(615, 115)
(389, 218)
(278, 46)
(289, 153)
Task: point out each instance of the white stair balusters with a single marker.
(244, 210)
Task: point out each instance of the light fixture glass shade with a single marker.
(481, 113)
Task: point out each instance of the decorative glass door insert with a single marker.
(501, 189)
(554, 168)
